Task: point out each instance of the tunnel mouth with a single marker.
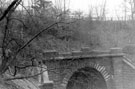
(86, 78)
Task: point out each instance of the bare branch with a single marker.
(35, 37)
(19, 21)
(24, 77)
(10, 7)
(31, 76)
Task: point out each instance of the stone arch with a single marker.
(86, 78)
(96, 66)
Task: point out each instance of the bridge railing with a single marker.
(129, 62)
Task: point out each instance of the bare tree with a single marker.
(100, 11)
(9, 58)
(18, 53)
(129, 7)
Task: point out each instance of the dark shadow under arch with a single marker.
(86, 78)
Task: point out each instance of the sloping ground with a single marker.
(25, 84)
(19, 84)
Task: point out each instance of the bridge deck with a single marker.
(84, 53)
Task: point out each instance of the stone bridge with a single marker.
(86, 69)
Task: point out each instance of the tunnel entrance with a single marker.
(86, 78)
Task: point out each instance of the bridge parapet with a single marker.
(84, 52)
(110, 63)
(107, 62)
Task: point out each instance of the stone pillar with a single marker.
(43, 77)
(117, 68)
(45, 83)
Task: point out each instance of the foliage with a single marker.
(27, 33)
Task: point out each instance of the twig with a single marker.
(24, 77)
(19, 21)
(9, 9)
(35, 37)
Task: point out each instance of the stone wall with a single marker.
(128, 75)
(62, 66)
(64, 70)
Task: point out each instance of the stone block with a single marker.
(46, 86)
(50, 54)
